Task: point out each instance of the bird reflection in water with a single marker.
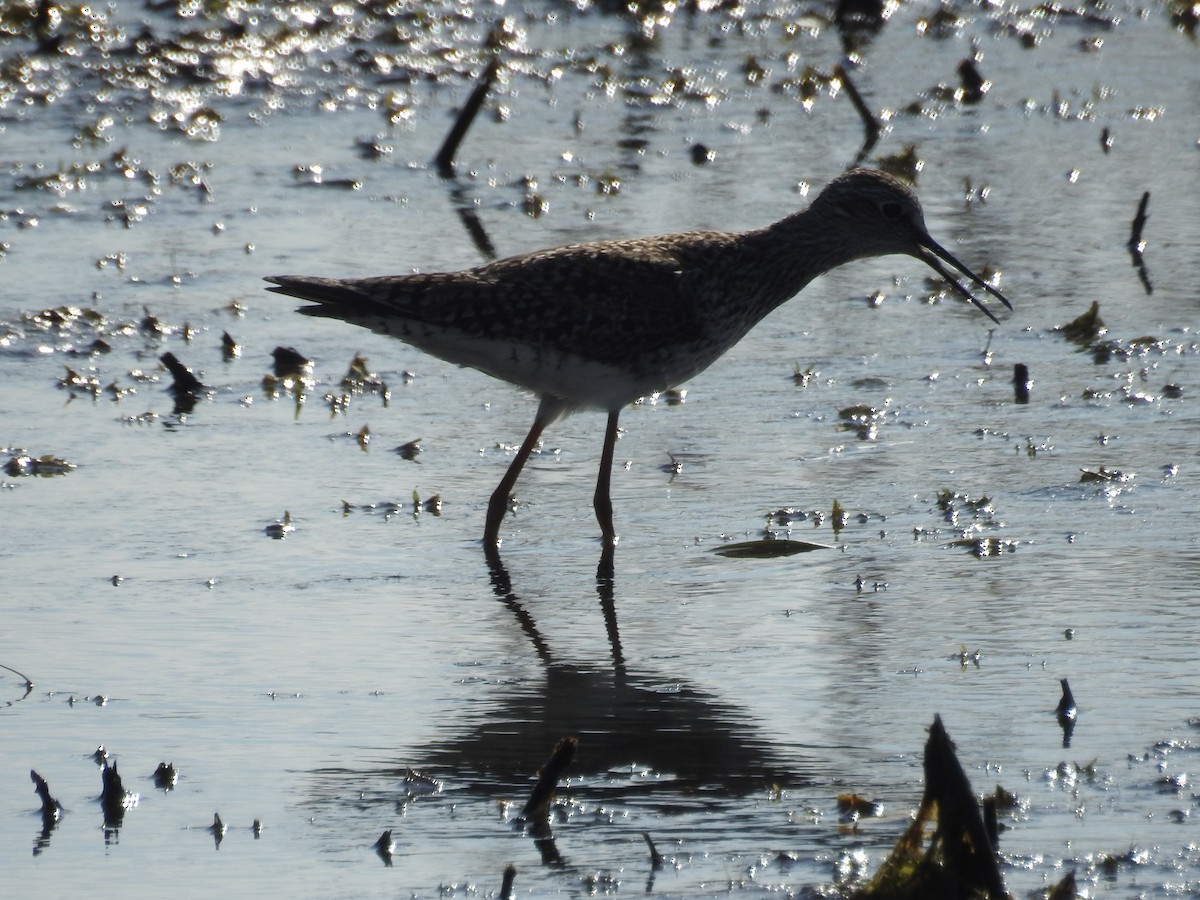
(636, 738)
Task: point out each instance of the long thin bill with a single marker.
(933, 254)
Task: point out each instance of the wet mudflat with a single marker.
(264, 593)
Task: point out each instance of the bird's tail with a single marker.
(335, 298)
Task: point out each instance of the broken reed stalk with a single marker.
(537, 807)
(50, 806)
(960, 860)
(964, 837)
(870, 123)
(466, 116)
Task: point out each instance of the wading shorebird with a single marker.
(600, 324)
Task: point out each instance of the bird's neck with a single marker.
(792, 252)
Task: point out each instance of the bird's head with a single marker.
(881, 216)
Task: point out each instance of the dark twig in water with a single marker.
(537, 807)
(165, 776)
(184, 380)
(1066, 708)
(113, 798)
(656, 859)
(1137, 245)
(1066, 712)
(51, 808)
(1021, 382)
(385, 847)
(445, 156)
(290, 362)
(28, 683)
(506, 887)
(870, 123)
(1065, 889)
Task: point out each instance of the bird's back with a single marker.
(632, 310)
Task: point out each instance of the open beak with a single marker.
(933, 254)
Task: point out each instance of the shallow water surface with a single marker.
(371, 670)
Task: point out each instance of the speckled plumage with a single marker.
(601, 324)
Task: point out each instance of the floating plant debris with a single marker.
(852, 807)
(431, 505)
(863, 419)
(838, 517)
(165, 776)
(973, 86)
(986, 546)
(47, 466)
(75, 381)
(905, 165)
(1104, 474)
(359, 379)
(409, 450)
(1086, 328)
(290, 363)
(280, 529)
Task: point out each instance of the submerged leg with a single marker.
(548, 411)
(602, 499)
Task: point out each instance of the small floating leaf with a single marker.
(767, 549)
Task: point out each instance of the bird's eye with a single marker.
(892, 211)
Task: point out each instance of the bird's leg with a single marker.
(498, 505)
(602, 499)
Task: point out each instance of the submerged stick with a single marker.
(466, 116)
(537, 807)
(506, 887)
